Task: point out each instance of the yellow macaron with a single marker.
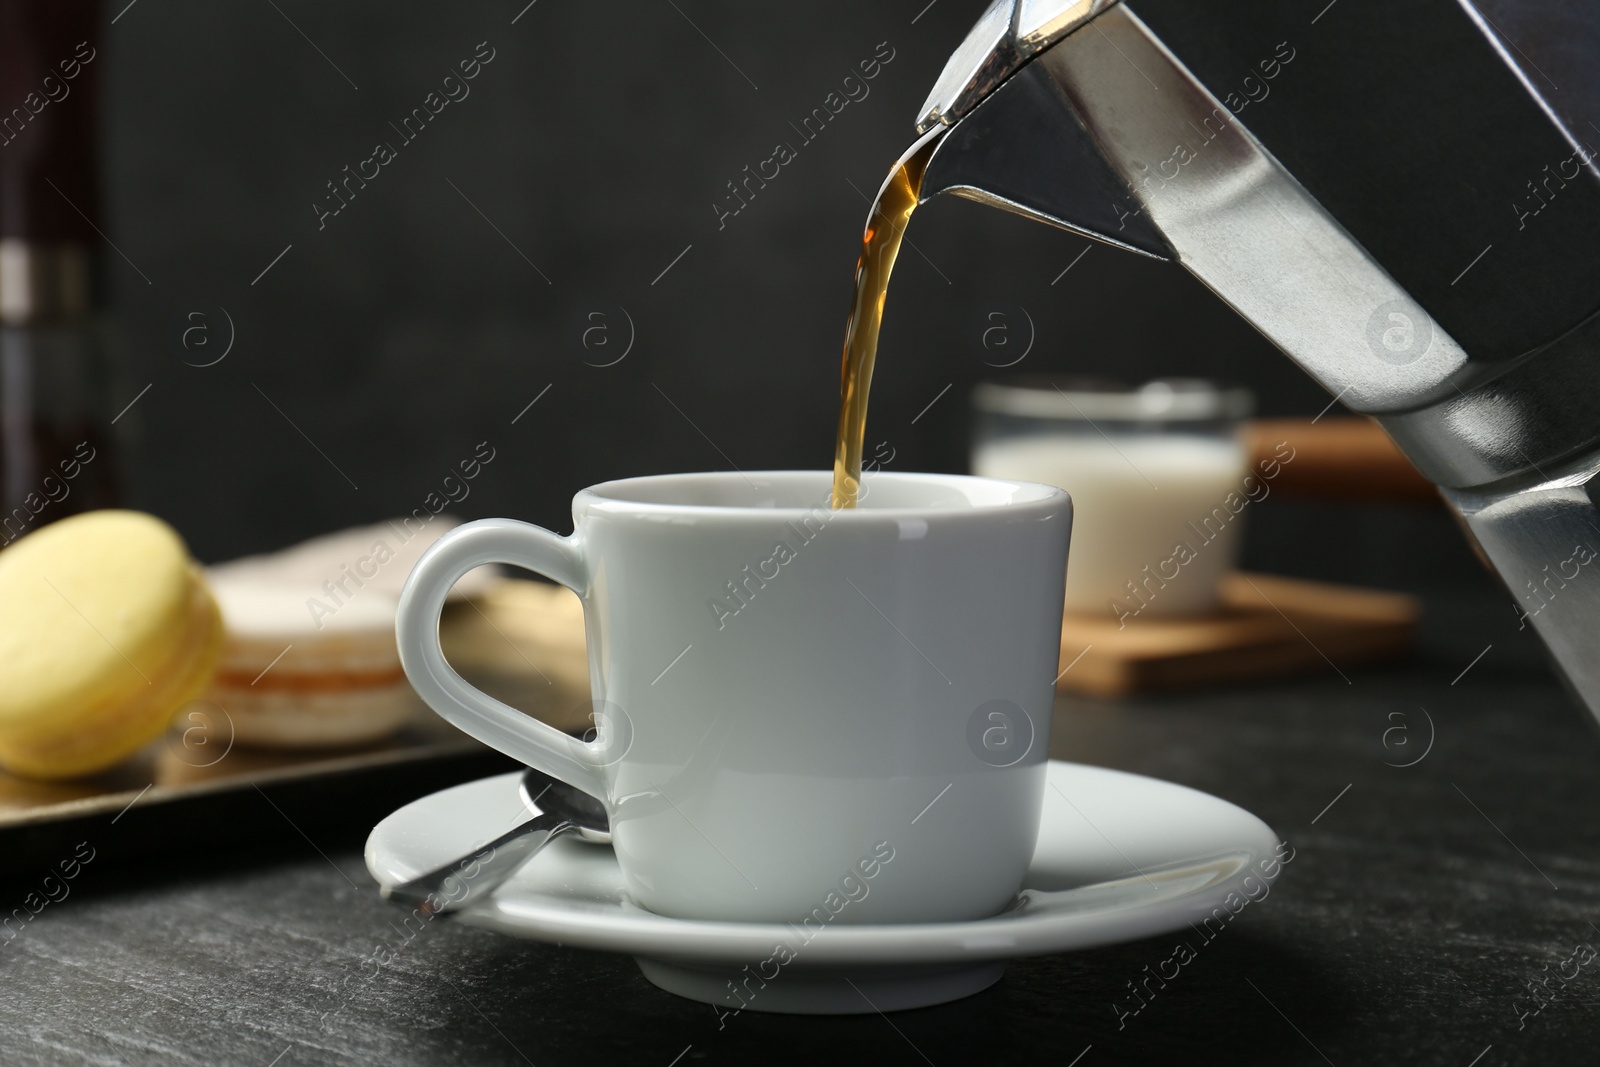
(106, 629)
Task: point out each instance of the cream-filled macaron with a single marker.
(292, 677)
(106, 629)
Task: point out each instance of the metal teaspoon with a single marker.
(470, 878)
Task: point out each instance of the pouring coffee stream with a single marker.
(880, 246)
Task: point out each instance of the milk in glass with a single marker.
(1157, 484)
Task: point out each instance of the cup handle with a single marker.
(496, 724)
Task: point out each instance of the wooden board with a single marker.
(1271, 627)
(1338, 459)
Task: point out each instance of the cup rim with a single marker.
(606, 496)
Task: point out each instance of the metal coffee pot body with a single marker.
(1395, 195)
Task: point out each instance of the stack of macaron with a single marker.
(106, 629)
(311, 659)
(289, 680)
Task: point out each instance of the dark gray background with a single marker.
(596, 141)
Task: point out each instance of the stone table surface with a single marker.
(1421, 903)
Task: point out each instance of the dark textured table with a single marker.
(1421, 903)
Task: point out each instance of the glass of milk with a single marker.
(1157, 478)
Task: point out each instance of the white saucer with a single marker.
(1120, 857)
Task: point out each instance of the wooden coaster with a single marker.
(1270, 627)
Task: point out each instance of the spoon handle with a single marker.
(474, 876)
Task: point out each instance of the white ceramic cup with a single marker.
(804, 714)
